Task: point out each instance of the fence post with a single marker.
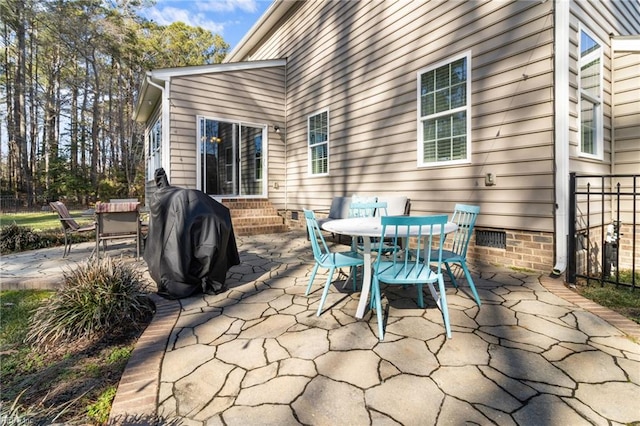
(571, 235)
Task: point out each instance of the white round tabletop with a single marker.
(372, 227)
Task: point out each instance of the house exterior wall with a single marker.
(360, 60)
(626, 131)
(626, 127)
(603, 19)
(621, 117)
(254, 96)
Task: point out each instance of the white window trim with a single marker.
(599, 137)
(467, 108)
(157, 152)
(265, 152)
(309, 162)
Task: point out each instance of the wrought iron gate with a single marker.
(604, 232)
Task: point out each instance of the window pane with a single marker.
(587, 44)
(442, 100)
(442, 77)
(459, 95)
(588, 128)
(459, 149)
(443, 126)
(459, 71)
(444, 149)
(590, 78)
(427, 104)
(429, 128)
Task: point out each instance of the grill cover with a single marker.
(190, 244)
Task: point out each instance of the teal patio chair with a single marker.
(326, 258)
(465, 217)
(404, 269)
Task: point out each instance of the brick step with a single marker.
(259, 229)
(254, 217)
(247, 204)
(257, 220)
(239, 213)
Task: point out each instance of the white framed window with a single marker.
(154, 142)
(318, 143)
(590, 82)
(444, 112)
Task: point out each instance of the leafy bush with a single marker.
(100, 296)
(15, 238)
(18, 238)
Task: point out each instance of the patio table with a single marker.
(368, 227)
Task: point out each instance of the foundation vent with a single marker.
(493, 239)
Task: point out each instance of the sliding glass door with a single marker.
(231, 158)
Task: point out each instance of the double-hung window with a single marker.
(590, 88)
(318, 143)
(444, 112)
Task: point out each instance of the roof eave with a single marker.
(267, 21)
(151, 95)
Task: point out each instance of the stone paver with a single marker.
(534, 352)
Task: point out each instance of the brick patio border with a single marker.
(558, 287)
(137, 394)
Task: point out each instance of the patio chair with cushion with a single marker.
(326, 258)
(404, 269)
(465, 217)
(117, 221)
(69, 225)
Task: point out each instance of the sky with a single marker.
(232, 19)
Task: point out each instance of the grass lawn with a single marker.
(74, 384)
(40, 221)
(621, 299)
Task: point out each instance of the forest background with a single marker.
(71, 71)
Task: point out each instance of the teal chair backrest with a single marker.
(423, 232)
(465, 217)
(368, 209)
(318, 244)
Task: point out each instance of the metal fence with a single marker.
(13, 204)
(604, 232)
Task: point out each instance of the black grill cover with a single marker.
(190, 245)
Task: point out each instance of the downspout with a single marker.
(561, 131)
(164, 113)
(286, 136)
(613, 109)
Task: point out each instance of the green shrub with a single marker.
(100, 296)
(16, 238)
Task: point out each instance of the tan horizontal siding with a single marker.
(360, 60)
(251, 96)
(603, 19)
(627, 121)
